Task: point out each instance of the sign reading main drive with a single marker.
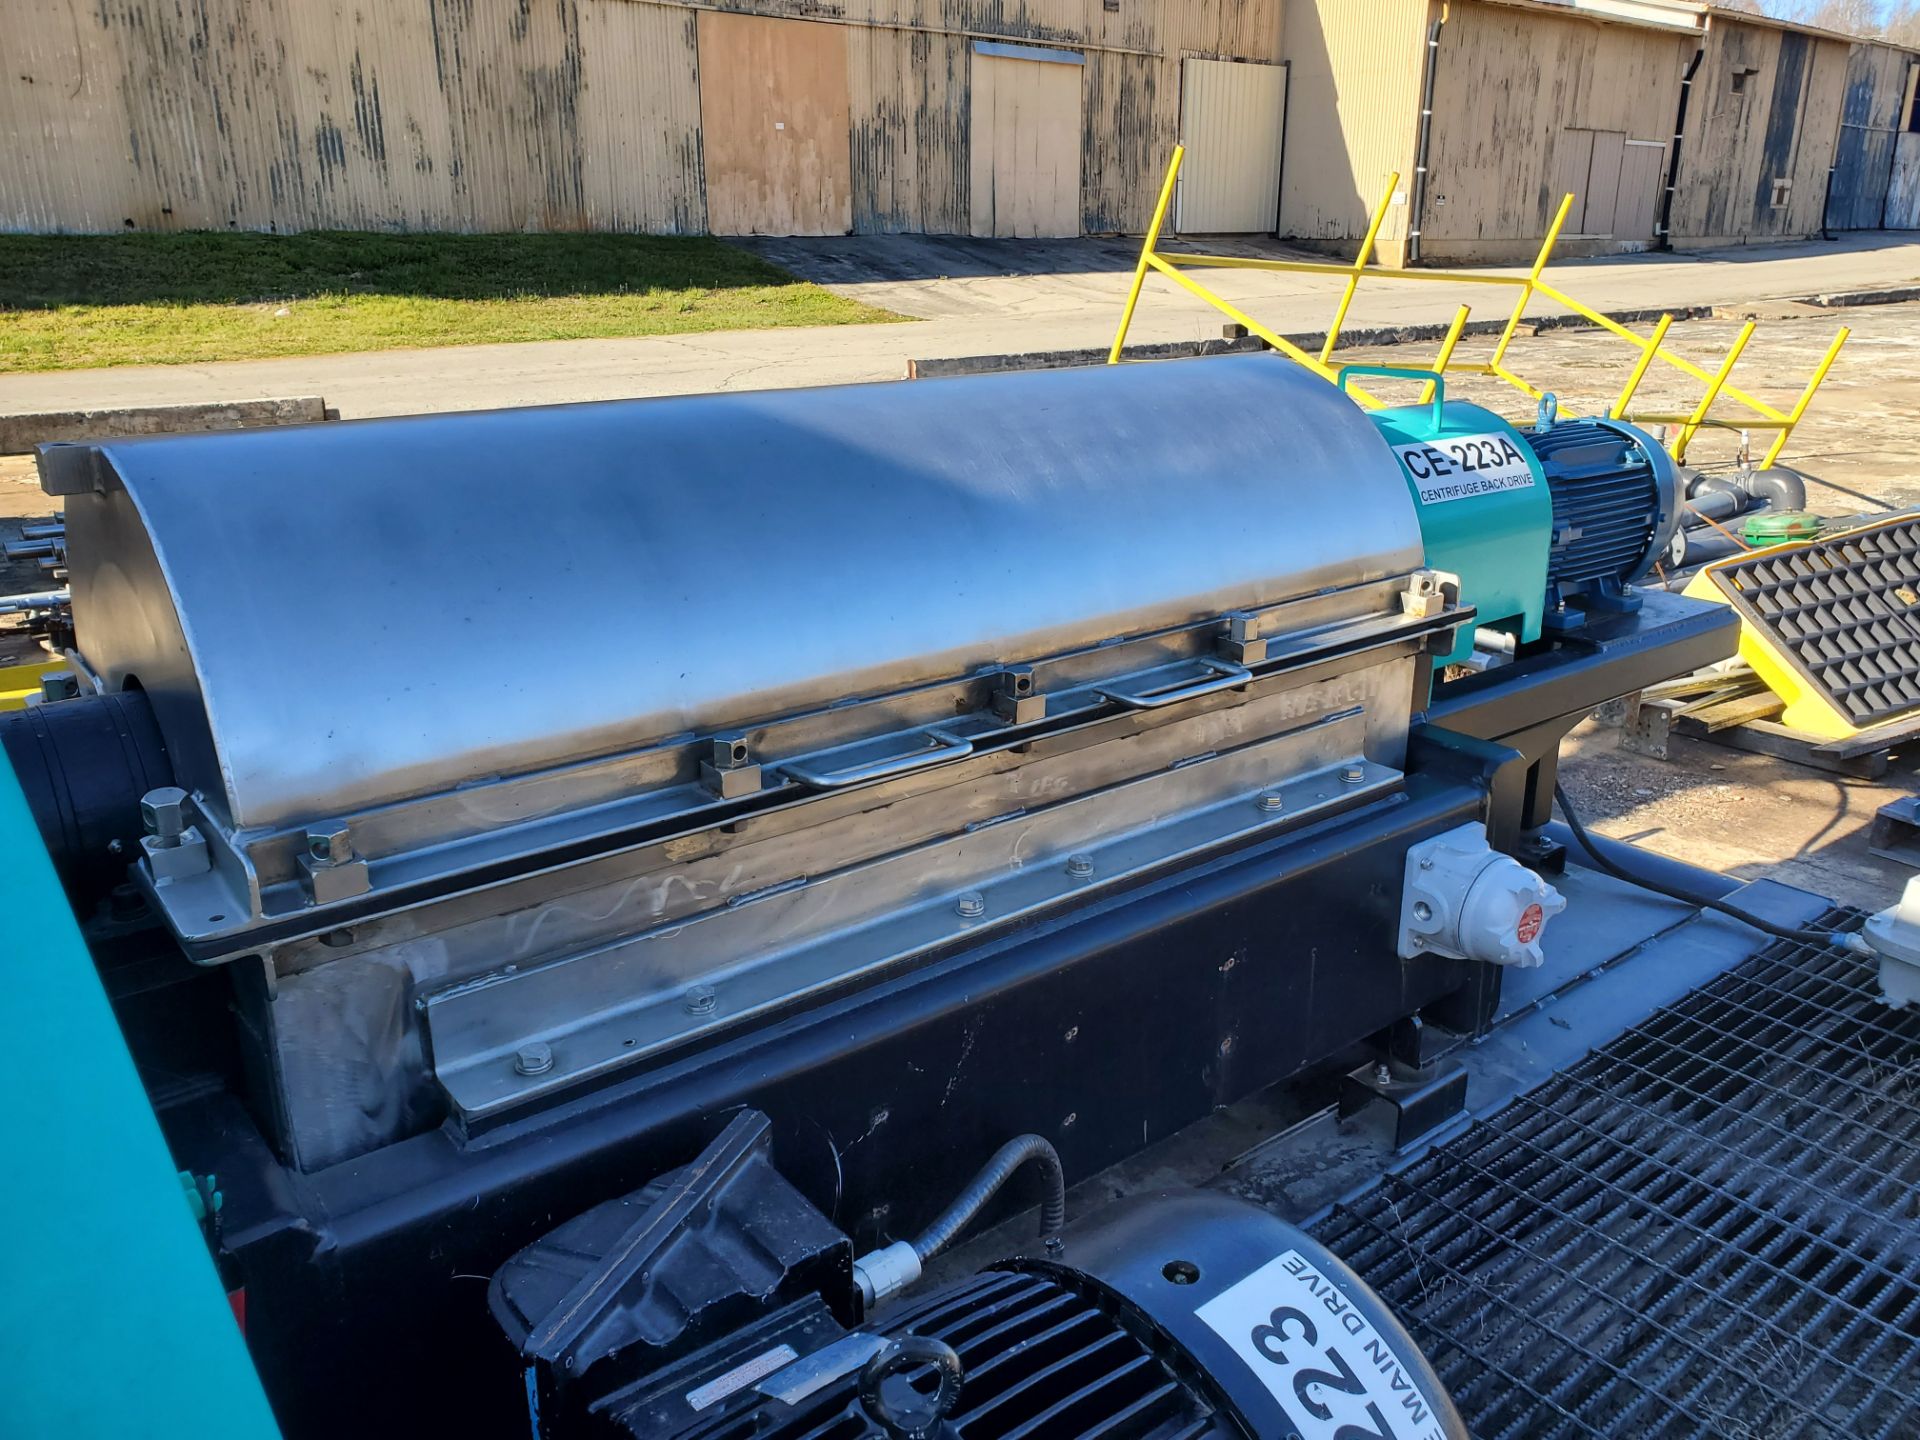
(1331, 1371)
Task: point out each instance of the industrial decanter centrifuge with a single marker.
(599, 898)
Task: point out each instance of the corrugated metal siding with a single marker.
(1129, 122)
(1870, 119)
(1529, 106)
(1903, 196)
(1355, 68)
(910, 115)
(1736, 148)
(535, 114)
(1231, 120)
(289, 114)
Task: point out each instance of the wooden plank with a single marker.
(1768, 737)
(774, 106)
(1738, 711)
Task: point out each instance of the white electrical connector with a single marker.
(1465, 900)
(1894, 936)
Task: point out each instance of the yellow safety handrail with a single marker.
(1760, 416)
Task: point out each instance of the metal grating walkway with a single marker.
(1709, 1227)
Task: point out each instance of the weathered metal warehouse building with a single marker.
(1675, 123)
(995, 117)
(1672, 123)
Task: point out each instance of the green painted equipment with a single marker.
(1542, 525)
(112, 1314)
(1485, 510)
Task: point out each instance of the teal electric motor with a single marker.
(1542, 525)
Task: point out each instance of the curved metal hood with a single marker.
(331, 617)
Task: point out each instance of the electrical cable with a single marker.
(1822, 938)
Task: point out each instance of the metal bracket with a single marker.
(1417, 1101)
(731, 771)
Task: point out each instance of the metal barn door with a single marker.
(1232, 121)
(1588, 163)
(1026, 140)
(1903, 195)
(775, 136)
(1870, 121)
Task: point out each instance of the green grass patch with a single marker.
(77, 301)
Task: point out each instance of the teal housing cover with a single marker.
(1486, 513)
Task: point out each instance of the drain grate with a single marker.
(1710, 1227)
(1844, 613)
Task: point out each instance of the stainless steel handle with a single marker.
(945, 747)
(1225, 677)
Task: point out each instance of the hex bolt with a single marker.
(1383, 1074)
(970, 906)
(1271, 800)
(534, 1058)
(1080, 866)
(701, 1000)
(329, 844)
(163, 814)
(1353, 774)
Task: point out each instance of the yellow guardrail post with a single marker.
(1147, 248)
(1640, 367)
(1699, 415)
(1273, 338)
(1806, 396)
(1445, 357)
(1359, 267)
(1533, 280)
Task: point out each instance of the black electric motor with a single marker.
(718, 1304)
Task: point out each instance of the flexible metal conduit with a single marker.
(1007, 1159)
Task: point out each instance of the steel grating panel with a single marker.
(1709, 1227)
(1843, 612)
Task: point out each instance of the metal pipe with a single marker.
(42, 600)
(1421, 147)
(1665, 235)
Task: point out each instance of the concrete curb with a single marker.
(933, 369)
(1897, 295)
(19, 434)
(1235, 344)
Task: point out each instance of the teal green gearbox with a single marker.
(1486, 513)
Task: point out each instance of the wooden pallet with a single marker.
(1732, 707)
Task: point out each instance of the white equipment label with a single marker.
(1462, 466)
(1328, 1367)
(758, 1368)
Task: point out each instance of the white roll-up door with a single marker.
(1232, 119)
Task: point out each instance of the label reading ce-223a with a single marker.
(1462, 466)
(1332, 1372)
